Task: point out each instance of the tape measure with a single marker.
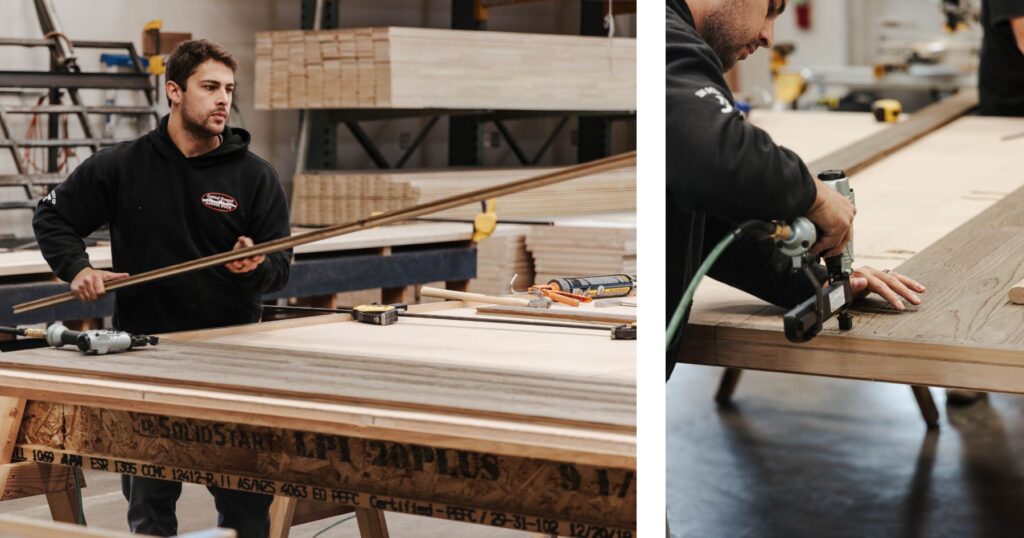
(624, 332)
(377, 314)
(596, 287)
(886, 110)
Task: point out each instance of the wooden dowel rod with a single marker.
(284, 243)
(1017, 293)
(474, 297)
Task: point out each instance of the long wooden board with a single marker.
(963, 334)
(437, 68)
(31, 262)
(857, 157)
(401, 215)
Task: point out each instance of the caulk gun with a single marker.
(833, 297)
(95, 342)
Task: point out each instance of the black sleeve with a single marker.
(717, 163)
(73, 210)
(1004, 10)
(753, 264)
(269, 221)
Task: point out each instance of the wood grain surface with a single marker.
(932, 211)
(347, 378)
(562, 394)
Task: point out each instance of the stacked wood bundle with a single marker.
(501, 256)
(326, 198)
(584, 247)
(439, 68)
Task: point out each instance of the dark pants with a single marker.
(151, 505)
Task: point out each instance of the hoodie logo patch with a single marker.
(219, 202)
(714, 92)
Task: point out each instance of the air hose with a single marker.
(677, 317)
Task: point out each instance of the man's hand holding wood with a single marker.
(89, 283)
(244, 265)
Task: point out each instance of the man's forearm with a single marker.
(1017, 25)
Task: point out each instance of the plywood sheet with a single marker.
(525, 349)
(584, 246)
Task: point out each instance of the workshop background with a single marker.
(774, 453)
(234, 23)
(421, 156)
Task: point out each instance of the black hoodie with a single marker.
(163, 209)
(722, 171)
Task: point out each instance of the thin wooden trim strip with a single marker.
(860, 155)
(565, 174)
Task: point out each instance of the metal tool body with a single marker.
(832, 297)
(95, 342)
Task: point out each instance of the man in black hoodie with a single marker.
(722, 171)
(188, 189)
(1001, 71)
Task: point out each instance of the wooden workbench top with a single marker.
(939, 211)
(560, 393)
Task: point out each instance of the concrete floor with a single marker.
(799, 456)
(105, 509)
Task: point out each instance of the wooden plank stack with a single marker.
(438, 68)
(596, 245)
(327, 198)
(501, 256)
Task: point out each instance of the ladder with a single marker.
(64, 77)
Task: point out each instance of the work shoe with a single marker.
(963, 397)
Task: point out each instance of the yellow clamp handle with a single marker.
(485, 223)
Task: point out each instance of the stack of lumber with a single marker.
(501, 256)
(438, 68)
(327, 198)
(595, 245)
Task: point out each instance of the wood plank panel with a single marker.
(382, 380)
(584, 246)
(906, 202)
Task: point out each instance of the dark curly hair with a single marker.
(188, 55)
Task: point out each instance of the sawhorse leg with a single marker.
(930, 414)
(61, 484)
(286, 512)
(730, 378)
(371, 523)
